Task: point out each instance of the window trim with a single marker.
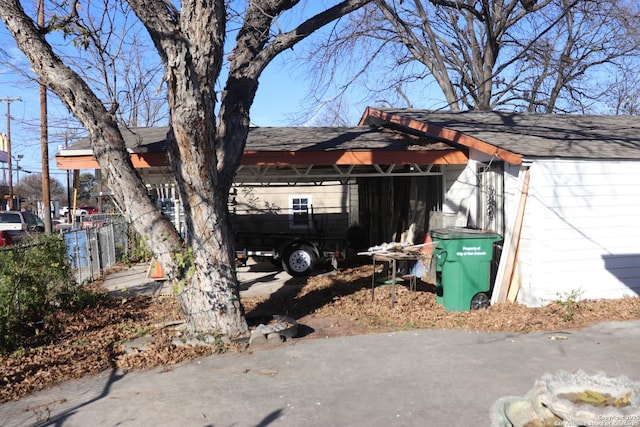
(292, 211)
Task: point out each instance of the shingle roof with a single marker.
(539, 135)
(152, 139)
(525, 134)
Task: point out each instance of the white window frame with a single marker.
(293, 209)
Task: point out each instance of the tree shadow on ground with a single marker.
(299, 301)
(262, 279)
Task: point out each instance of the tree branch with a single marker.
(287, 40)
(160, 18)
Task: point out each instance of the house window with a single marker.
(300, 211)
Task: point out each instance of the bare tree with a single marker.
(622, 96)
(116, 58)
(458, 42)
(487, 54)
(572, 65)
(204, 148)
(30, 189)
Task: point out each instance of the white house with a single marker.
(564, 190)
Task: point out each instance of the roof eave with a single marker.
(448, 135)
(262, 158)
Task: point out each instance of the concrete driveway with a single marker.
(412, 378)
(256, 279)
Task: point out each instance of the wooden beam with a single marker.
(445, 134)
(514, 285)
(139, 160)
(76, 162)
(501, 288)
(264, 158)
(369, 157)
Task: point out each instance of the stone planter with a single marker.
(560, 399)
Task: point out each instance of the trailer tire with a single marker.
(299, 260)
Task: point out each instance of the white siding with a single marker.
(581, 231)
(326, 198)
(461, 186)
(460, 192)
(512, 186)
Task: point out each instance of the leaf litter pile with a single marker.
(334, 304)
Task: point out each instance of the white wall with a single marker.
(460, 184)
(581, 231)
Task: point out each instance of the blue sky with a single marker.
(281, 96)
(25, 114)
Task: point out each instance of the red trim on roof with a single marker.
(139, 160)
(372, 157)
(449, 135)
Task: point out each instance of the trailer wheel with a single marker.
(480, 300)
(299, 260)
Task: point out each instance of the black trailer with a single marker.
(299, 242)
(298, 254)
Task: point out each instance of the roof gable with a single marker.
(522, 135)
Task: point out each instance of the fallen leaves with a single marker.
(91, 341)
(348, 296)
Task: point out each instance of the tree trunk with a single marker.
(209, 294)
(204, 154)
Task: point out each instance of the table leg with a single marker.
(373, 279)
(393, 283)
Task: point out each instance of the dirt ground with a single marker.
(330, 305)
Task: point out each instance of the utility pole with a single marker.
(10, 205)
(18, 168)
(44, 141)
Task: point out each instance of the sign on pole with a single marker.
(4, 148)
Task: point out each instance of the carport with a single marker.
(399, 177)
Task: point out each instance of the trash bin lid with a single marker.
(463, 233)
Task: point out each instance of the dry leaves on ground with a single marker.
(348, 295)
(91, 341)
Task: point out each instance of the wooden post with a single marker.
(502, 282)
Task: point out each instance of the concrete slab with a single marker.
(134, 281)
(263, 279)
(411, 378)
(256, 279)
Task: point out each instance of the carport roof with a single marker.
(360, 145)
(514, 136)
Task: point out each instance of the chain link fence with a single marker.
(93, 250)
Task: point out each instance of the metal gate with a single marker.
(95, 249)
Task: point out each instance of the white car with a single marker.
(19, 225)
(79, 212)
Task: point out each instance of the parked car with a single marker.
(17, 225)
(5, 239)
(89, 209)
(79, 211)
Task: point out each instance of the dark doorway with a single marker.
(397, 208)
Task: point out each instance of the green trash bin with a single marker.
(463, 259)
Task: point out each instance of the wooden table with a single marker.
(391, 258)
